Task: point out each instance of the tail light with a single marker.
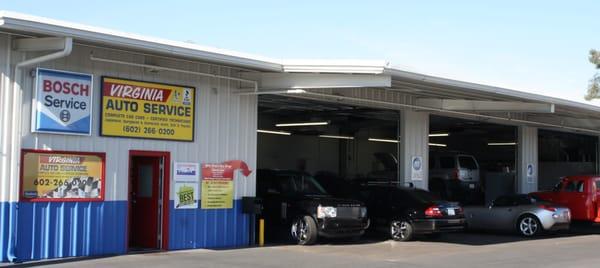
(433, 211)
(547, 207)
(455, 174)
(459, 210)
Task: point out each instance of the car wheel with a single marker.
(304, 230)
(528, 225)
(401, 230)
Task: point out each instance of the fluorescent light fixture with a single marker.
(383, 140)
(324, 123)
(296, 91)
(337, 137)
(502, 143)
(439, 134)
(273, 132)
(438, 144)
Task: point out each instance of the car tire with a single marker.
(401, 230)
(304, 230)
(528, 225)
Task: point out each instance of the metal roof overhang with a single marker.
(409, 83)
(21, 23)
(426, 86)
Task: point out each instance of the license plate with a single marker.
(451, 212)
(471, 186)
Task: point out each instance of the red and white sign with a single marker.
(63, 102)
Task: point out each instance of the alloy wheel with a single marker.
(300, 230)
(528, 226)
(399, 229)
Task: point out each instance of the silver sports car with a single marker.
(523, 213)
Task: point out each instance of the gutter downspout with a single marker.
(15, 126)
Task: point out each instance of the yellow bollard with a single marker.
(261, 232)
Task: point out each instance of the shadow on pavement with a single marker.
(472, 238)
(464, 238)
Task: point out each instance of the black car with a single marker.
(406, 212)
(295, 202)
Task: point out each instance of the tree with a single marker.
(594, 85)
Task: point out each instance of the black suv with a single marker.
(296, 204)
(406, 212)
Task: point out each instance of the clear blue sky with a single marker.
(535, 46)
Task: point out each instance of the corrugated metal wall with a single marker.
(225, 129)
(5, 205)
(225, 122)
(415, 142)
(527, 154)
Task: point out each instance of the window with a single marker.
(447, 162)
(467, 162)
(580, 185)
(420, 195)
(575, 186)
(144, 181)
(300, 184)
(525, 200)
(504, 201)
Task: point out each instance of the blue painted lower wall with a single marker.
(208, 228)
(4, 227)
(47, 230)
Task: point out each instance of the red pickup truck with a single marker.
(581, 194)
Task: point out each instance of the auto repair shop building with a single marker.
(112, 142)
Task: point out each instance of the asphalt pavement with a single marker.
(574, 249)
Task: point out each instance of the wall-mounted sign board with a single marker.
(62, 102)
(137, 109)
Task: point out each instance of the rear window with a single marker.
(420, 195)
(514, 200)
(447, 162)
(467, 162)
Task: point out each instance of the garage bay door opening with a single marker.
(565, 154)
(471, 162)
(338, 145)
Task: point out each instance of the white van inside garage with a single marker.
(471, 161)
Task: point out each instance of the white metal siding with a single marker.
(414, 142)
(527, 154)
(4, 114)
(225, 123)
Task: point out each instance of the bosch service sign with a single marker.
(63, 102)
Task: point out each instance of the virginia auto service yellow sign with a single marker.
(147, 110)
(62, 176)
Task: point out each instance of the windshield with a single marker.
(301, 184)
(467, 162)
